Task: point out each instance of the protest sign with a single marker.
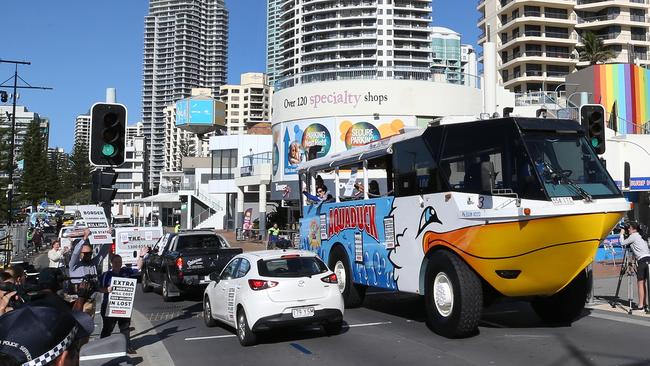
(120, 299)
(95, 219)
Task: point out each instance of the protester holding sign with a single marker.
(105, 283)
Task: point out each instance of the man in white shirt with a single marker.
(639, 246)
(56, 255)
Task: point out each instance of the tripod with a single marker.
(627, 269)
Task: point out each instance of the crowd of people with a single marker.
(47, 319)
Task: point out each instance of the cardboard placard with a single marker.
(120, 299)
(96, 221)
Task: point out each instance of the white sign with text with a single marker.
(120, 299)
(96, 221)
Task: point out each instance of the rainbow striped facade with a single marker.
(627, 86)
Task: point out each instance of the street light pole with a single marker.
(10, 186)
(10, 165)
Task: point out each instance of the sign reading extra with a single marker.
(353, 217)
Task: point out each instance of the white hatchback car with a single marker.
(258, 291)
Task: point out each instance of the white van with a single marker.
(129, 241)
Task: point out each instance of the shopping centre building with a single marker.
(318, 119)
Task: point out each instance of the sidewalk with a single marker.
(246, 245)
(606, 276)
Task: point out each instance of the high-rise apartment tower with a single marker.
(537, 40)
(351, 39)
(185, 47)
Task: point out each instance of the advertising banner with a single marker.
(120, 299)
(195, 112)
(201, 111)
(298, 141)
(181, 112)
(305, 140)
(364, 227)
(96, 221)
(640, 184)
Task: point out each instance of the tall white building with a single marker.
(185, 47)
(536, 39)
(131, 176)
(468, 65)
(23, 119)
(353, 39)
(445, 44)
(247, 103)
(82, 130)
(134, 130)
(273, 49)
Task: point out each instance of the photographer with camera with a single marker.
(632, 237)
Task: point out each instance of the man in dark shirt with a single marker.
(105, 287)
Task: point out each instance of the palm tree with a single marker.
(594, 50)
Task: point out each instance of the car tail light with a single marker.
(261, 284)
(330, 279)
(288, 256)
(179, 265)
(113, 248)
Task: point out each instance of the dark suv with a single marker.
(179, 262)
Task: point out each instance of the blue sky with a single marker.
(82, 47)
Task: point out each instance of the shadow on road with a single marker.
(504, 313)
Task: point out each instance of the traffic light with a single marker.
(107, 134)
(592, 118)
(102, 189)
(3, 96)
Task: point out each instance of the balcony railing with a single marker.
(249, 161)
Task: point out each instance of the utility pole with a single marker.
(10, 186)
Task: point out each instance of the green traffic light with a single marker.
(594, 142)
(108, 150)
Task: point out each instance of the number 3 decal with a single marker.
(481, 200)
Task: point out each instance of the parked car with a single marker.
(183, 261)
(259, 291)
(121, 221)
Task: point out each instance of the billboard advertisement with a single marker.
(195, 112)
(181, 112)
(298, 141)
(201, 111)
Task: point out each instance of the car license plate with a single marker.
(206, 279)
(303, 312)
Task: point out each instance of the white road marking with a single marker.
(210, 337)
(621, 319)
(232, 335)
(367, 324)
(102, 356)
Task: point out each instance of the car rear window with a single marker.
(198, 242)
(291, 267)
